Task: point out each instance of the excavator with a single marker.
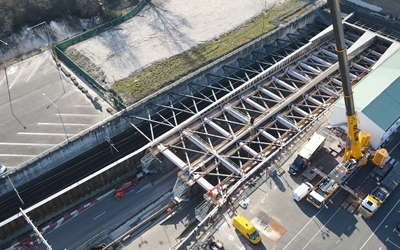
(357, 141)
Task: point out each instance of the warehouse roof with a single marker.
(377, 95)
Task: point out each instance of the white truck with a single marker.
(309, 150)
(302, 191)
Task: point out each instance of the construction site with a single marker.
(220, 143)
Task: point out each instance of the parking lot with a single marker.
(45, 109)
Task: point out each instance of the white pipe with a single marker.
(172, 157)
(285, 122)
(328, 53)
(319, 60)
(314, 70)
(269, 93)
(254, 104)
(215, 126)
(249, 150)
(283, 84)
(298, 76)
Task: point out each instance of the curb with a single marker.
(56, 224)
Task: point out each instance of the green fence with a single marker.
(60, 47)
(65, 59)
(93, 32)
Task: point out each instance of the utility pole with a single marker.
(109, 140)
(50, 44)
(35, 229)
(65, 131)
(16, 191)
(5, 71)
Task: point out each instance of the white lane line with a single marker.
(312, 218)
(26, 144)
(16, 155)
(46, 68)
(83, 105)
(18, 75)
(80, 115)
(99, 215)
(380, 224)
(33, 72)
(66, 124)
(33, 133)
(392, 243)
(322, 228)
(301, 230)
(394, 147)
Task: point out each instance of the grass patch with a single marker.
(161, 74)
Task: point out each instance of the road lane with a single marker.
(105, 215)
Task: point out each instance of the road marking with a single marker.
(17, 155)
(33, 72)
(66, 124)
(312, 218)
(26, 144)
(81, 114)
(99, 215)
(19, 73)
(394, 147)
(33, 133)
(83, 105)
(392, 242)
(322, 227)
(380, 224)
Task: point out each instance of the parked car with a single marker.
(3, 169)
(295, 167)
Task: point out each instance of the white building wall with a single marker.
(338, 119)
(393, 129)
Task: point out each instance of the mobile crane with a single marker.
(357, 152)
(357, 141)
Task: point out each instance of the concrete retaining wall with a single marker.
(117, 124)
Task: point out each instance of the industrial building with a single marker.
(376, 99)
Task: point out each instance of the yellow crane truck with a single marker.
(378, 196)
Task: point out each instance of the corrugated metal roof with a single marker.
(375, 96)
(385, 109)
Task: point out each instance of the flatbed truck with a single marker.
(370, 205)
(330, 183)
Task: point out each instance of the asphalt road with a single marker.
(106, 215)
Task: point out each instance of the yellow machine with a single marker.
(357, 142)
(246, 229)
(378, 196)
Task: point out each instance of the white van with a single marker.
(302, 191)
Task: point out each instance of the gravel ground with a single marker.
(161, 30)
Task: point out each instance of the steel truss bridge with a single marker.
(229, 126)
(233, 123)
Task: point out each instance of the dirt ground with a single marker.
(163, 29)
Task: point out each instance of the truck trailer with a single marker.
(378, 196)
(309, 150)
(330, 183)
